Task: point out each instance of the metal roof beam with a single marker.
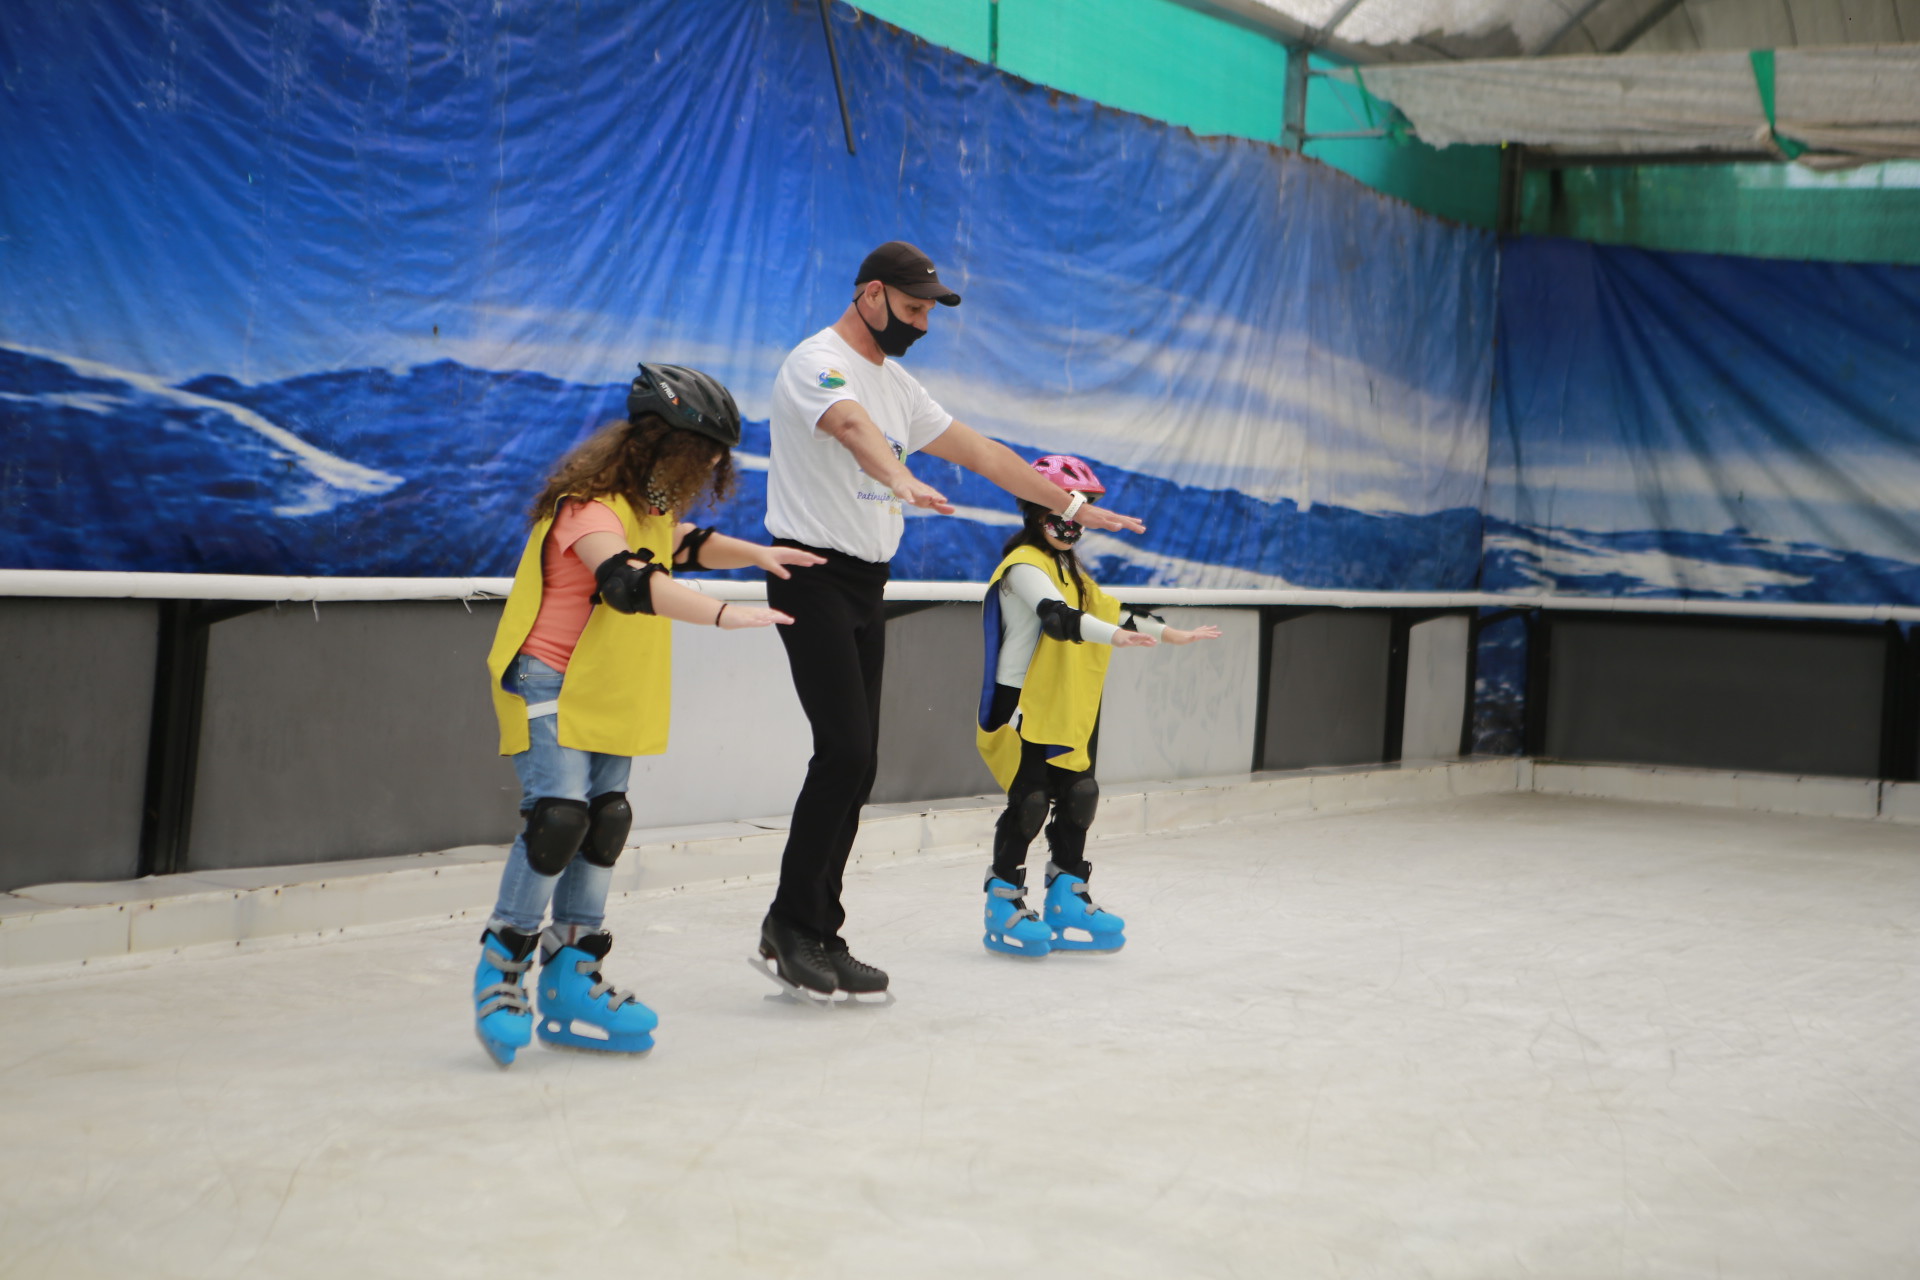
(1333, 24)
(1560, 32)
(1251, 15)
(1648, 21)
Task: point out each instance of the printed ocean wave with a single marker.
(337, 478)
(1733, 565)
(428, 472)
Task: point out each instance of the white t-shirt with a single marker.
(816, 493)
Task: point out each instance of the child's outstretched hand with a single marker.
(738, 617)
(776, 559)
(1174, 635)
(1124, 639)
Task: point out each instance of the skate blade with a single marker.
(631, 1047)
(788, 992)
(501, 1053)
(1093, 944)
(1001, 947)
(791, 994)
(587, 1037)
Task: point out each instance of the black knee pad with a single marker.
(1029, 806)
(609, 818)
(555, 828)
(1080, 802)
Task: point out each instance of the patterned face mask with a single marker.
(1068, 531)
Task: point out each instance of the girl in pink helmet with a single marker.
(1050, 631)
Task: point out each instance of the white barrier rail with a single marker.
(69, 584)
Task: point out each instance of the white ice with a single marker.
(1513, 1036)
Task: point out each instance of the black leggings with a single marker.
(836, 649)
(1039, 787)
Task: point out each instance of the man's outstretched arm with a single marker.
(961, 444)
(851, 425)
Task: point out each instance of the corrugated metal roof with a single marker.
(1430, 30)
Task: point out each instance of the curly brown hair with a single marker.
(641, 460)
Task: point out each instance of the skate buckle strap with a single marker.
(508, 995)
(1016, 896)
(601, 987)
(1080, 891)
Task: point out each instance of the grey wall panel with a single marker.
(739, 743)
(1777, 699)
(1436, 689)
(76, 679)
(1327, 690)
(1185, 712)
(350, 731)
(929, 705)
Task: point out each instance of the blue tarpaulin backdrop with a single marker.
(317, 287)
(1694, 425)
(1691, 424)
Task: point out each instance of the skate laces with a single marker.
(854, 963)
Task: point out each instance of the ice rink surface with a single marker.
(1505, 1037)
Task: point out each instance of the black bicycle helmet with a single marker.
(688, 398)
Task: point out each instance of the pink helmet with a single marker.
(1070, 474)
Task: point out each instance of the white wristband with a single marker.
(1074, 504)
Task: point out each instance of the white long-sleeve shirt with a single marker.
(1022, 587)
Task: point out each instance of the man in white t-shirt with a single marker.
(845, 417)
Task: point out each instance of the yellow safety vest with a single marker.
(620, 678)
(1061, 699)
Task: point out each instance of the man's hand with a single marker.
(961, 444)
(915, 494)
(776, 559)
(1100, 518)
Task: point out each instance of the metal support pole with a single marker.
(1900, 706)
(173, 741)
(1293, 127)
(1399, 648)
(833, 56)
(173, 736)
(1513, 174)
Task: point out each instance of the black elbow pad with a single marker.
(1059, 620)
(691, 544)
(623, 587)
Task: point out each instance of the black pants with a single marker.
(836, 648)
(1035, 778)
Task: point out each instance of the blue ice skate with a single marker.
(502, 1018)
(1013, 928)
(581, 1010)
(1077, 924)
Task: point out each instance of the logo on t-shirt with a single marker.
(831, 379)
(867, 489)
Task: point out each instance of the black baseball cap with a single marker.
(907, 269)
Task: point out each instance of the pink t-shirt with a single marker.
(567, 585)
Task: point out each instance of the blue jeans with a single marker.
(578, 894)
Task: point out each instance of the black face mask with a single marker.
(897, 336)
